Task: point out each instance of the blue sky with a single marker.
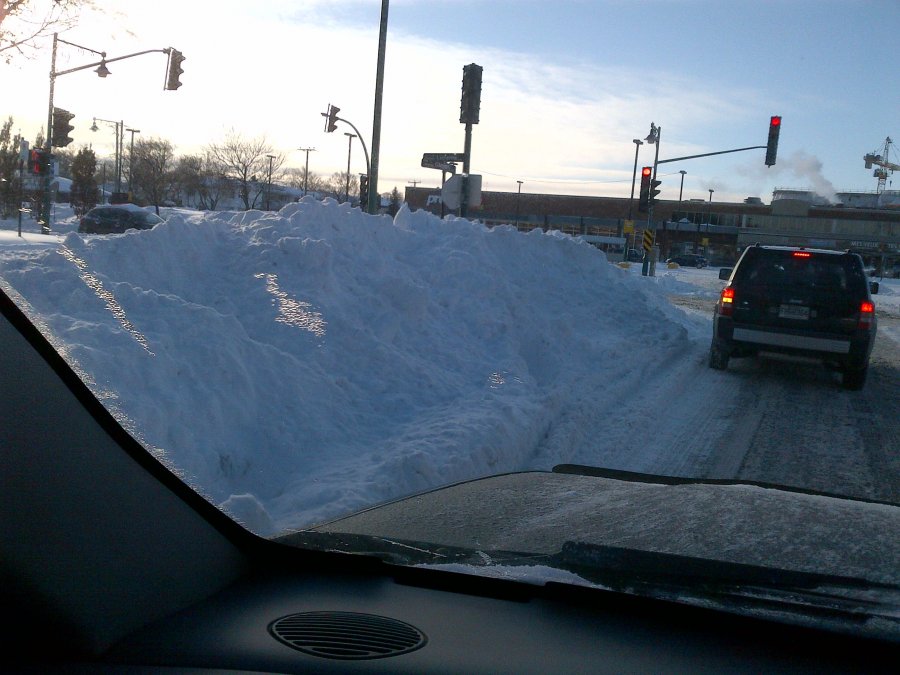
(567, 86)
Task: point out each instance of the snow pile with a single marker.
(302, 365)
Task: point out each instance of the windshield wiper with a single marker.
(406, 552)
(676, 576)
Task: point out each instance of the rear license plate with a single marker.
(793, 312)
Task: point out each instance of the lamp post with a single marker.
(269, 184)
(518, 195)
(708, 219)
(306, 171)
(120, 142)
(620, 230)
(350, 138)
(637, 146)
(681, 189)
(131, 165)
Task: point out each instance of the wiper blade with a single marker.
(676, 576)
(405, 552)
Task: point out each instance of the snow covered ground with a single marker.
(301, 365)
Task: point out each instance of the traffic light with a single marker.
(644, 201)
(654, 190)
(61, 127)
(772, 145)
(175, 70)
(470, 104)
(363, 191)
(39, 162)
(331, 118)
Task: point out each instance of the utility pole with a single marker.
(306, 171)
(269, 184)
(518, 195)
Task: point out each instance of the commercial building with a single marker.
(867, 223)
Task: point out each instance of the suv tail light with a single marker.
(866, 315)
(726, 301)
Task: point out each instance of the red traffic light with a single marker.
(772, 144)
(644, 199)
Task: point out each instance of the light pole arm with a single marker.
(362, 142)
(710, 154)
(97, 63)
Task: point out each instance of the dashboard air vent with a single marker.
(347, 635)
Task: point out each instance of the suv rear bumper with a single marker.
(848, 351)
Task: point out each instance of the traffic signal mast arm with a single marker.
(332, 115)
(709, 154)
(771, 147)
(105, 60)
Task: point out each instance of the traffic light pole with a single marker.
(645, 266)
(467, 156)
(374, 197)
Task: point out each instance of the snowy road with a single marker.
(769, 419)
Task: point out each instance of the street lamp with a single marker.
(350, 138)
(518, 195)
(708, 219)
(131, 165)
(681, 189)
(120, 142)
(269, 184)
(637, 146)
(306, 174)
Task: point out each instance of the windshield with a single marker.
(336, 309)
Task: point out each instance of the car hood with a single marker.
(734, 522)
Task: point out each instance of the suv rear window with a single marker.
(801, 269)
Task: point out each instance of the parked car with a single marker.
(116, 218)
(689, 260)
(797, 301)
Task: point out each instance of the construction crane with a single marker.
(881, 159)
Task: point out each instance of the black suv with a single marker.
(805, 302)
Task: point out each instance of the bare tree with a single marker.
(336, 186)
(152, 170)
(24, 22)
(297, 178)
(247, 162)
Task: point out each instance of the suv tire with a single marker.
(854, 379)
(718, 357)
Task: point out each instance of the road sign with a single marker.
(648, 240)
(628, 227)
(451, 193)
(442, 160)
